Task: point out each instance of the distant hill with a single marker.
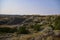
(25, 19)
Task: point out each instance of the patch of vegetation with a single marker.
(7, 30)
(36, 27)
(23, 30)
(51, 26)
(57, 23)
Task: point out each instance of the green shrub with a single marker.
(7, 30)
(36, 27)
(23, 30)
(57, 23)
(51, 26)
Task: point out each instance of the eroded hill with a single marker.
(29, 27)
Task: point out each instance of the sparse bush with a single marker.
(7, 30)
(36, 27)
(51, 26)
(57, 23)
(23, 30)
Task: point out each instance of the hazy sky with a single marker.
(42, 7)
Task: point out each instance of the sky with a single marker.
(28, 7)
